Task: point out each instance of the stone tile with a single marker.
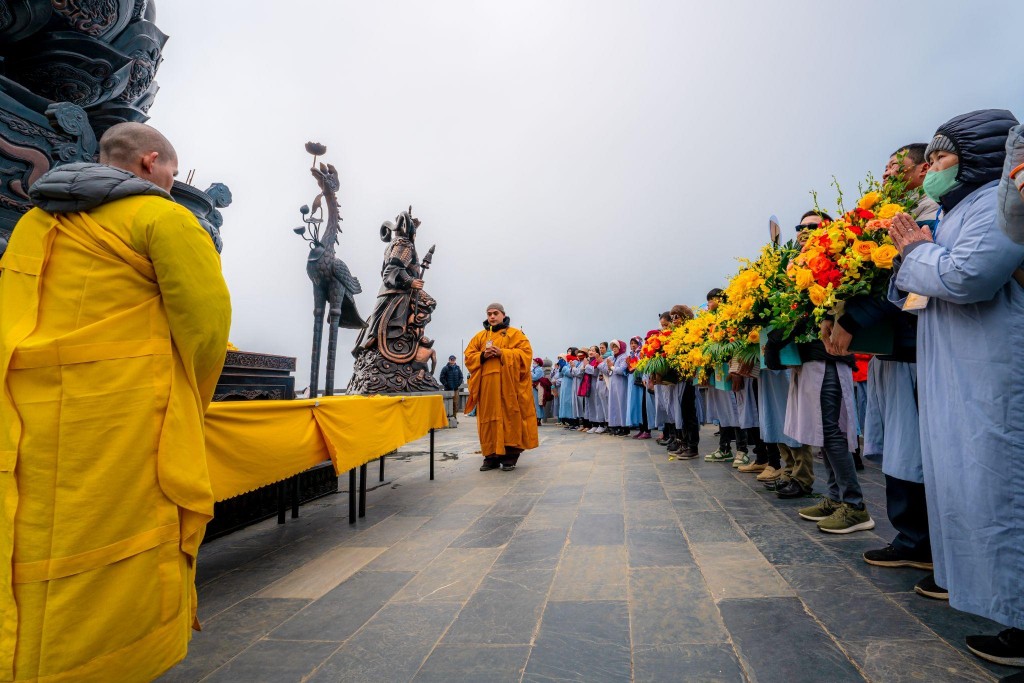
(229, 633)
(313, 579)
(272, 661)
(514, 505)
(387, 532)
(863, 616)
(452, 577)
(340, 613)
(650, 514)
(672, 608)
(231, 588)
(644, 491)
(484, 495)
(582, 641)
(533, 549)
(824, 578)
(474, 664)
(591, 573)
(658, 547)
(602, 502)
(454, 517)
(709, 527)
(781, 544)
(488, 532)
(391, 647)
(415, 552)
(693, 501)
(763, 628)
(738, 570)
(598, 529)
(712, 663)
(563, 494)
(912, 660)
(549, 517)
(505, 610)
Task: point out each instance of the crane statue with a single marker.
(334, 286)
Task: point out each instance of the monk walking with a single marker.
(498, 359)
(114, 318)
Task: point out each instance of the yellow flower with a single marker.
(864, 249)
(755, 336)
(804, 278)
(889, 210)
(232, 347)
(817, 294)
(883, 256)
(869, 200)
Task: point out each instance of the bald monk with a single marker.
(113, 330)
(498, 359)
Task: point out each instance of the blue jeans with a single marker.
(843, 485)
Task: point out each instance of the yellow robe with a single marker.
(113, 330)
(502, 391)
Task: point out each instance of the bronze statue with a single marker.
(333, 283)
(393, 350)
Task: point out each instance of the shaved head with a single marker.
(125, 142)
(141, 149)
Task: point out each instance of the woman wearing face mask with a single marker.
(636, 403)
(566, 394)
(1011, 187)
(618, 389)
(970, 359)
(597, 401)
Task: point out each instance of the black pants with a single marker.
(726, 435)
(908, 512)
(643, 413)
(771, 456)
(691, 427)
(843, 485)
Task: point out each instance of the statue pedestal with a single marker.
(375, 374)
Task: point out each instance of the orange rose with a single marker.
(864, 249)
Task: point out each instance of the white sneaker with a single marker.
(591, 430)
(599, 430)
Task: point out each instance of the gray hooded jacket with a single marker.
(1010, 214)
(84, 186)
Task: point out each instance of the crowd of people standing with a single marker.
(943, 412)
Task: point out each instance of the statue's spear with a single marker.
(424, 267)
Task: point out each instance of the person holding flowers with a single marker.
(961, 280)
(820, 410)
(636, 402)
(618, 389)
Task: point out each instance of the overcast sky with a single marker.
(588, 163)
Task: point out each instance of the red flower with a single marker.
(793, 307)
(856, 231)
(819, 264)
(863, 214)
(831, 276)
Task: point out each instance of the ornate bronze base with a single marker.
(374, 374)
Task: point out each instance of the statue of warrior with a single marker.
(403, 309)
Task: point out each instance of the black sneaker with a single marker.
(891, 557)
(929, 589)
(792, 489)
(1007, 648)
(490, 464)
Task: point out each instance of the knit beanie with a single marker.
(496, 307)
(940, 143)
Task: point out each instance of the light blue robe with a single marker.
(970, 369)
(662, 408)
(537, 374)
(597, 405)
(652, 409)
(635, 402)
(567, 394)
(892, 426)
(772, 395)
(618, 392)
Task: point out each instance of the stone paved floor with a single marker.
(596, 559)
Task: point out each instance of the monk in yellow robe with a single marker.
(114, 318)
(499, 359)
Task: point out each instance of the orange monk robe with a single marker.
(501, 389)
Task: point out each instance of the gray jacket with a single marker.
(84, 186)
(1011, 207)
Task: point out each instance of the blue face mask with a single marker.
(937, 184)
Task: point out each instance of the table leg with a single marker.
(295, 497)
(352, 493)
(362, 490)
(382, 468)
(431, 455)
(280, 502)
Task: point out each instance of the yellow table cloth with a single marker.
(250, 444)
